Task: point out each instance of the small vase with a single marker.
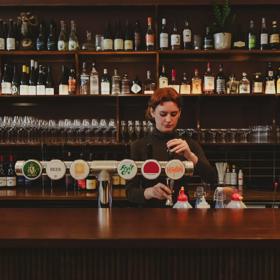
(222, 41)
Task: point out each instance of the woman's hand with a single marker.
(158, 191)
(181, 147)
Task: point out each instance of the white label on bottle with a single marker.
(32, 90)
(94, 85)
(187, 35)
(63, 90)
(72, 45)
(274, 39)
(233, 178)
(185, 89)
(163, 82)
(91, 184)
(278, 85)
(196, 86)
(61, 45)
(49, 91)
(118, 44)
(11, 44)
(108, 44)
(128, 45)
(150, 40)
(244, 88)
(105, 88)
(221, 86)
(11, 181)
(175, 40)
(6, 87)
(176, 87)
(135, 88)
(3, 181)
(258, 87)
(209, 83)
(239, 44)
(270, 87)
(264, 38)
(163, 40)
(23, 89)
(2, 44)
(14, 89)
(41, 90)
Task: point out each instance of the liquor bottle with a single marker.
(105, 84)
(2, 36)
(150, 36)
(270, 87)
(252, 38)
(208, 40)
(278, 81)
(163, 79)
(15, 81)
(263, 36)
(108, 38)
(32, 79)
(63, 83)
(244, 85)
(196, 83)
(220, 81)
(232, 85)
(125, 85)
(73, 43)
(175, 38)
(128, 38)
(88, 44)
(239, 37)
(137, 36)
(187, 36)
(257, 84)
(62, 43)
(51, 40)
(274, 40)
(49, 82)
(3, 176)
(11, 174)
(118, 40)
(84, 81)
(41, 38)
(23, 89)
(91, 180)
(174, 84)
(72, 82)
(26, 42)
(6, 83)
(136, 87)
(116, 83)
(41, 83)
(208, 81)
(163, 36)
(11, 40)
(94, 81)
(149, 85)
(185, 87)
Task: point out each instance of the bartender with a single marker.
(163, 144)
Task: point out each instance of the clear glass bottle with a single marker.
(244, 85)
(84, 81)
(232, 85)
(196, 83)
(116, 83)
(105, 85)
(88, 44)
(125, 82)
(94, 80)
(62, 43)
(73, 43)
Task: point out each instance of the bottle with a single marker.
(220, 81)
(6, 83)
(11, 174)
(32, 79)
(2, 36)
(51, 41)
(15, 81)
(196, 83)
(252, 38)
(118, 41)
(174, 84)
(88, 44)
(116, 83)
(41, 39)
(136, 87)
(62, 43)
(233, 176)
(185, 87)
(263, 36)
(72, 82)
(239, 38)
(91, 180)
(240, 181)
(105, 85)
(208, 81)
(175, 38)
(244, 85)
(150, 36)
(63, 83)
(73, 43)
(149, 85)
(278, 81)
(84, 81)
(274, 39)
(49, 82)
(41, 83)
(128, 38)
(11, 39)
(3, 176)
(257, 85)
(187, 36)
(163, 79)
(23, 89)
(94, 81)
(232, 85)
(227, 175)
(108, 38)
(137, 36)
(208, 40)
(125, 85)
(270, 87)
(163, 36)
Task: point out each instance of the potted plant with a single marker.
(222, 25)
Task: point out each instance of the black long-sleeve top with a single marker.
(135, 187)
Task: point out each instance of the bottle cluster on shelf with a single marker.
(7, 172)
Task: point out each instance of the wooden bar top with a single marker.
(83, 227)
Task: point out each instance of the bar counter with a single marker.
(84, 243)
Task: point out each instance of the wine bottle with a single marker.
(6, 83)
(62, 43)
(128, 38)
(137, 36)
(11, 174)
(11, 39)
(41, 83)
(72, 82)
(163, 36)
(150, 36)
(24, 87)
(63, 84)
(49, 82)
(2, 36)
(3, 176)
(108, 38)
(41, 38)
(73, 43)
(32, 79)
(15, 81)
(118, 40)
(51, 41)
